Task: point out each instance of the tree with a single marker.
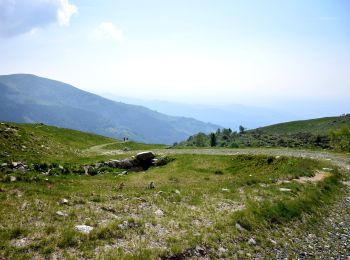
(212, 140)
(200, 139)
(226, 133)
(241, 129)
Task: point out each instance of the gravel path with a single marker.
(340, 160)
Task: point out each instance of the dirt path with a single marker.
(99, 150)
(340, 160)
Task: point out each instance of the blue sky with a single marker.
(203, 51)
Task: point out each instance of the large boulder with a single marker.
(113, 163)
(145, 156)
(128, 163)
(142, 161)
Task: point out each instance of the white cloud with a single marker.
(107, 31)
(23, 16)
(65, 11)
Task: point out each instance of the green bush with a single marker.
(340, 139)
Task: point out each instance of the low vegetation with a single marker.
(229, 206)
(323, 133)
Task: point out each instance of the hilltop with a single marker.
(315, 126)
(314, 133)
(31, 99)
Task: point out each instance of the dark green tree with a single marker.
(213, 140)
(241, 129)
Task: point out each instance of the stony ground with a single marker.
(161, 216)
(328, 240)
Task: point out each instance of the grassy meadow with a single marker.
(213, 206)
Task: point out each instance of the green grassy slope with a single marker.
(315, 126)
(201, 199)
(313, 133)
(37, 141)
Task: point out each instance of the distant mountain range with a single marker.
(28, 98)
(251, 117)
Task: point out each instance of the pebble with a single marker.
(177, 192)
(222, 250)
(251, 241)
(64, 201)
(13, 178)
(225, 190)
(61, 214)
(273, 242)
(239, 227)
(285, 189)
(159, 213)
(84, 228)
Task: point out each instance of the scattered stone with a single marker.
(84, 228)
(89, 170)
(109, 209)
(159, 213)
(20, 168)
(99, 165)
(177, 192)
(151, 185)
(124, 225)
(327, 169)
(61, 214)
(239, 227)
(64, 201)
(277, 157)
(251, 241)
(4, 165)
(13, 178)
(123, 173)
(273, 242)
(20, 242)
(225, 190)
(285, 189)
(222, 250)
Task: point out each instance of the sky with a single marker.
(196, 51)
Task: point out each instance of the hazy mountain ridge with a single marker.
(250, 116)
(28, 98)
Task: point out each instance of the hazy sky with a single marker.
(229, 51)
